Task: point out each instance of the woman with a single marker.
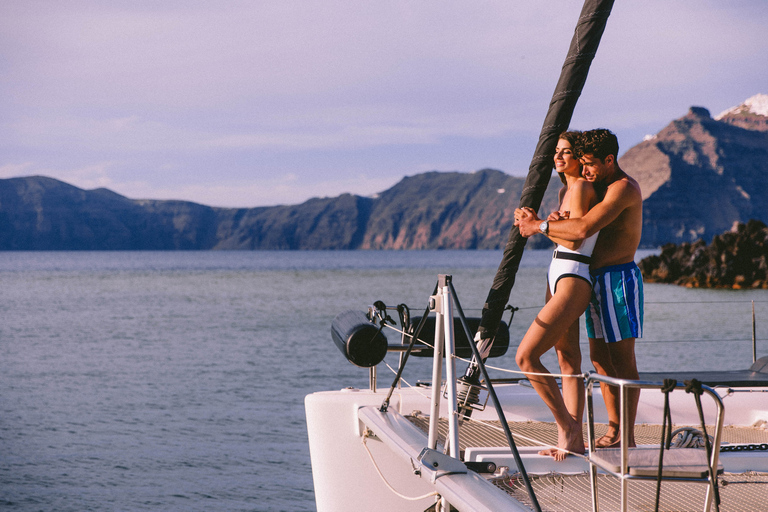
(568, 294)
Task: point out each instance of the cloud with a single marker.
(89, 177)
(170, 93)
(15, 170)
(287, 189)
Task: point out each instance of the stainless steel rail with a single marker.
(624, 470)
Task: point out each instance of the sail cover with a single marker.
(586, 39)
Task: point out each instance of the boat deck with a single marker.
(557, 492)
(743, 492)
(538, 433)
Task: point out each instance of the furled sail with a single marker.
(586, 39)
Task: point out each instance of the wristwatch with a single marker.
(544, 227)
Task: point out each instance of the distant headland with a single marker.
(699, 175)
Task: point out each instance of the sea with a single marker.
(175, 381)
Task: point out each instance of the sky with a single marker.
(267, 102)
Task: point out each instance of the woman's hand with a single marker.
(527, 221)
(559, 215)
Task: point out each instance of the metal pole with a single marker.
(437, 370)
(623, 425)
(450, 372)
(496, 403)
(754, 334)
(591, 441)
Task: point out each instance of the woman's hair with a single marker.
(574, 138)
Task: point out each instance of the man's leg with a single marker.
(616, 311)
(616, 360)
(625, 364)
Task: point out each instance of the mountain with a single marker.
(434, 210)
(699, 176)
(39, 213)
(751, 115)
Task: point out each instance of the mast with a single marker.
(586, 39)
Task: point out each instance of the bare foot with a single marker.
(568, 441)
(551, 452)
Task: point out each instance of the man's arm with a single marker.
(619, 196)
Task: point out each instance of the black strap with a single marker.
(422, 322)
(572, 256)
(666, 434)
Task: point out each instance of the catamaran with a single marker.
(456, 444)
(702, 436)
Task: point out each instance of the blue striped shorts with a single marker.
(616, 309)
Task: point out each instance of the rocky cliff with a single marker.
(427, 211)
(736, 259)
(699, 175)
(39, 213)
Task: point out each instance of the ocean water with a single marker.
(164, 381)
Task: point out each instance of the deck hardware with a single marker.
(416, 471)
(482, 467)
(441, 463)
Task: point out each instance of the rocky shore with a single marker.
(735, 259)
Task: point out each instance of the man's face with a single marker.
(596, 169)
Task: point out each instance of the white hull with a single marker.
(346, 476)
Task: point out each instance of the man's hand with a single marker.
(527, 221)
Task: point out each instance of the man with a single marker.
(616, 279)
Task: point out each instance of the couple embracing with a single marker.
(597, 231)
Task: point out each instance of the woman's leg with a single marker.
(569, 357)
(549, 326)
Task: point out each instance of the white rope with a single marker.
(409, 498)
(505, 370)
(411, 386)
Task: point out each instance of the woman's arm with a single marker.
(581, 197)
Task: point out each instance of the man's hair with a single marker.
(599, 143)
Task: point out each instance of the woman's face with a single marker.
(565, 161)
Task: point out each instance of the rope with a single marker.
(688, 437)
(366, 434)
(411, 386)
(505, 370)
(646, 303)
(645, 342)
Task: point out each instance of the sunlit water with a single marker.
(175, 380)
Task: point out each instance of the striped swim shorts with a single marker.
(616, 309)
